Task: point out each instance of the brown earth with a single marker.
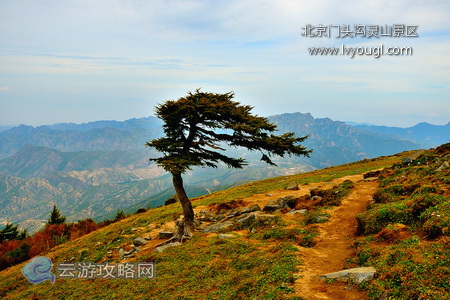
(333, 247)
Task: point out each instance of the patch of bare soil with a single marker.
(333, 247)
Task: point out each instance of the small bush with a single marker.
(422, 202)
(436, 220)
(315, 216)
(374, 220)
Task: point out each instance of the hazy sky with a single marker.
(80, 61)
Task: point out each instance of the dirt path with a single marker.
(333, 247)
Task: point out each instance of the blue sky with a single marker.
(80, 61)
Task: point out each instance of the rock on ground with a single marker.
(162, 248)
(356, 275)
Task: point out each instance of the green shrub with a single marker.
(436, 220)
(374, 220)
(422, 202)
(315, 216)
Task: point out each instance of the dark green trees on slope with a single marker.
(197, 125)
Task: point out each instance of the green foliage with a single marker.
(437, 219)
(334, 196)
(119, 215)
(422, 201)
(55, 217)
(315, 216)
(417, 266)
(375, 219)
(11, 232)
(197, 125)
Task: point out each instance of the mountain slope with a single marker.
(36, 161)
(335, 142)
(258, 261)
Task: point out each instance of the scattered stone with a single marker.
(147, 237)
(204, 215)
(272, 205)
(254, 207)
(225, 236)
(288, 201)
(139, 241)
(356, 275)
(316, 198)
(217, 227)
(444, 166)
(129, 254)
(165, 234)
(222, 211)
(121, 253)
(293, 186)
(299, 211)
(162, 248)
(245, 210)
(233, 213)
(320, 219)
(246, 220)
(219, 217)
(406, 161)
(133, 229)
(265, 218)
(372, 174)
(370, 179)
(269, 195)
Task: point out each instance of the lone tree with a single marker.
(196, 126)
(55, 217)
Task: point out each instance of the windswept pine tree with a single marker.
(197, 126)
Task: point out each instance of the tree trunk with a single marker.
(185, 227)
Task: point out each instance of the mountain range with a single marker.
(91, 170)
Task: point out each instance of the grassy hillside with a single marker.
(259, 262)
(406, 230)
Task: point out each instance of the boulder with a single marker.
(225, 236)
(165, 234)
(219, 217)
(356, 275)
(162, 248)
(288, 201)
(254, 207)
(265, 218)
(233, 213)
(295, 211)
(139, 241)
(273, 205)
(217, 227)
(293, 186)
(246, 219)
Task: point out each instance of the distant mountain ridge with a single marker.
(425, 134)
(93, 169)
